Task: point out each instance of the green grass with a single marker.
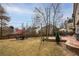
(29, 47)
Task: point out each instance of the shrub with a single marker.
(57, 37)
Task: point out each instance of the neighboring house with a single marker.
(6, 30)
(70, 26)
(31, 31)
(17, 32)
(49, 30)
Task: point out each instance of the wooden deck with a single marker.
(73, 45)
(70, 41)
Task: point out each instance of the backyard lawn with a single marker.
(31, 47)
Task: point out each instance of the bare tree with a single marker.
(57, 14)
(48, 15)
(3, 18)
(41, 17)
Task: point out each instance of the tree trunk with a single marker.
(1, 29)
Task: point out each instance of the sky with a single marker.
(22, 13)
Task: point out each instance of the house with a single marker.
(7, 30)
(31, 31)
(76, 15)
(48, 30)
(70, 26)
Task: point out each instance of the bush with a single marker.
(57, 37)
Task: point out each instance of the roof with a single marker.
(19, 31)
(70, 20)
(62, 29)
